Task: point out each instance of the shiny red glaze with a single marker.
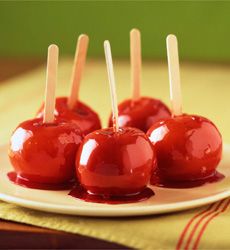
(188, 148)
(87, 119)
(45, 153)
(142, 113)
(112, 163)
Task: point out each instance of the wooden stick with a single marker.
(51, 79)
(174, 74)
(135, 58)
(113, 93)
(78, 67)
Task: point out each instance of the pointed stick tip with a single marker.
(106, 43)
(53, 47)
(171, 37)
(83, 37)
(135, 32)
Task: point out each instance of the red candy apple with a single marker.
(188, 148)
(44, 153)
(111, 163)
(115, 162)
(71, 109)
(141, 113)
(81, 114)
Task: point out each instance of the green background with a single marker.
(203, 28)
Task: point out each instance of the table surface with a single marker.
(21, 236)
(205, 88)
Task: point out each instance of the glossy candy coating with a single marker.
(112, 163)
(188, 148)
(45, 153)
(142, 113)
(86, 119)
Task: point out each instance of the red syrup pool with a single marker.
(80, 193)
(18, 180)
(216, 177)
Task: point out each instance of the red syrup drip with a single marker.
(156, 181)
(80, 193)
(18, 180)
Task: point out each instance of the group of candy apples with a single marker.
(144, 143)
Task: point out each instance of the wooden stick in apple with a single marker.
(109, 63)
(78, 67)
(135, 58)
(51, 79)
(174, 74)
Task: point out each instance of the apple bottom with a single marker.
(156, 180)
(26, 182)
(40, 168)
(114, 185)
(181, 171)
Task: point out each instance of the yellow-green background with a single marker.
(28, 27)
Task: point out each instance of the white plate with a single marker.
(165, 200)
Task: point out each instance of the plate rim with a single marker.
(104, 211)
(110, 209)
